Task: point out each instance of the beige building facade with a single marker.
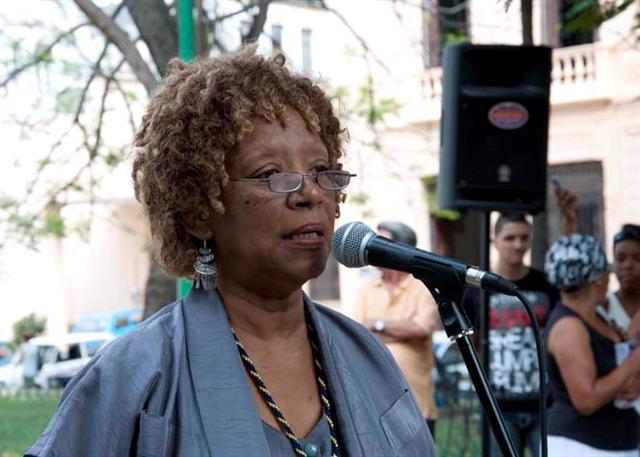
(380, 45)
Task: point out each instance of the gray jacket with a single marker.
(176, 386)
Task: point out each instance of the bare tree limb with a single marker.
(120, 38)
(235, 13)
(96, 71)
(41, 55)
(103, 104)
(122, 92)
(356, 35)
(257, 26)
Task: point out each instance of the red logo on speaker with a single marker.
(508, 115)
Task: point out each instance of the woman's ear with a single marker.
(201, 226)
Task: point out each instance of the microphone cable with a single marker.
(542, 370)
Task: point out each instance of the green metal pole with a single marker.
(186, 51)
(186, 42)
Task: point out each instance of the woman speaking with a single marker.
(237, 164)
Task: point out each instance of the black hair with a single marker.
(508, 218)
(628, 232)
(399, 232)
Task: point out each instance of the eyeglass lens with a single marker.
(291, 181)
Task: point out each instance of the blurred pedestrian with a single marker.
(30, 360)
(584, 376)
(513, 367)
(624, 304)
(400, 310)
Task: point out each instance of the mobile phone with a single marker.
(557, 182)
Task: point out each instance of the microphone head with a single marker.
(349, 243)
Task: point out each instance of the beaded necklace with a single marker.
(327, 409)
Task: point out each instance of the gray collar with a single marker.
(221, 384)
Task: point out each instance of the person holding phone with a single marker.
(513, 367)
(584, 375)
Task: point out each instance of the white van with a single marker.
(60, 358)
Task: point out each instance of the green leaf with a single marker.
(448, 214)
(112, 159)
(28, 327)
(358, 198)
(68, 100)
(22, 223)
(54, 225)
(455, 38)
(42, 163)
(7, 202)
(131, 96)
(71, 68)
(82, 228)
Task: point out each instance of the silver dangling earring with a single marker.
(205, 269)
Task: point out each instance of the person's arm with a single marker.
(631, 389)
(634, 328)
(568, 203)
(419, 326)
(569, 344)
(398, 330)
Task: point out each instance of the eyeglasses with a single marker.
(291, 181)
(627, 233)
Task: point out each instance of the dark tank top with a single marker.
(608, 428)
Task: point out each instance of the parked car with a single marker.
(5, 353)
(452, 379)
(116, 322)
(11, 373)
(62, 357)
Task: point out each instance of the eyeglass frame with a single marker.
(301, 180)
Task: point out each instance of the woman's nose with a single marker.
(309, 194)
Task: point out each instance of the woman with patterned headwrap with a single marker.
(584, 377)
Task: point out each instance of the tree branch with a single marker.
(103, 104)
(132, 121)
(41, 55)
(120, 38)
(357, 36)
(95, 72)
(257, 26)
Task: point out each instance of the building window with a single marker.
(306, 51)
(276, 38)
(568, 37)
(444, 22)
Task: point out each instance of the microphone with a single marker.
(355, 245)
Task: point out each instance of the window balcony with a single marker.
(589, 73)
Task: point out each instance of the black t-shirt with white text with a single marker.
(512, 348)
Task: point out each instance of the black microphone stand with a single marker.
(447, 290)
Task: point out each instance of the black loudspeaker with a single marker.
(494, 127)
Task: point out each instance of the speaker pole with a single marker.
(483, 324)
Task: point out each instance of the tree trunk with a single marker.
(158, 29)
(526, 13)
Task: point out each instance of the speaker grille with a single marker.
(349, 242)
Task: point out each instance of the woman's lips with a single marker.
(305, 236)
(309, 234)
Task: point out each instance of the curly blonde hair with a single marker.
(190, 128)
